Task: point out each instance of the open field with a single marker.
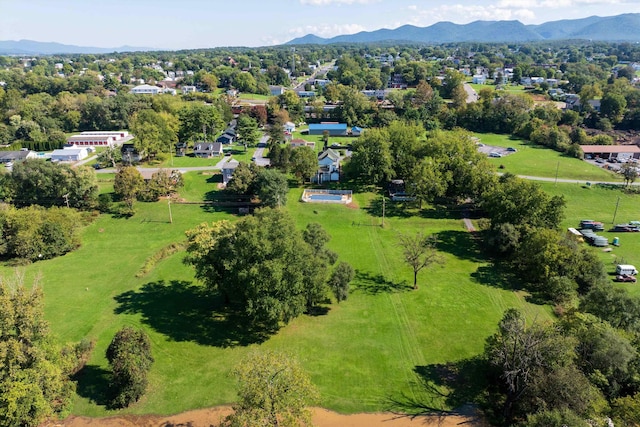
(376, 346)
(599, 203)
(536, 160)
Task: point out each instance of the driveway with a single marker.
(258, 155)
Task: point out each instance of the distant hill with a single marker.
(30, 47)
(624, 27)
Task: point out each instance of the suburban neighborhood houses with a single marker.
(377, 233)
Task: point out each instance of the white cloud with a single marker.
(326, 30)
(329, 2)
(555, 4)
(462, 13)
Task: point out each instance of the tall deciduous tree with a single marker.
(34, 381)
(154, 132)
(419, 251)
(128, 184)
(272, 188)
(262, 264)
(303, 163)
(248, 131)
(273, 390)
(371, 159)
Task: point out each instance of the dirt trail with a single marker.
(212, 416)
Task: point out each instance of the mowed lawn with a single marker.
(361, 354)
(537, 160)
(599, 204)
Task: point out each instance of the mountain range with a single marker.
(30, 47)
(625, 27)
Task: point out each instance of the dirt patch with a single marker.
(321, 418)
(353, 205)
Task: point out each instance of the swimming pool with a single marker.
(326, 197)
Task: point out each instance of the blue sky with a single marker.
(188, 24)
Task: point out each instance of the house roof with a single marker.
(356, 128)
(68, 151)
(230, 165)
(328, 126)
(13, 155)
(225, 137)
(329, 153)
(589, 149)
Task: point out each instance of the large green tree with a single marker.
(36, 182)
(127, 184)
(303, 163)
(261, 264)
(34, 382)
(129, 355)
(154, 132)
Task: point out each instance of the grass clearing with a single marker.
(536, 160)
(599, 203)
(365, 351)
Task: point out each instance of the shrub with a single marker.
(129, 355)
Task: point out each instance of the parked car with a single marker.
(600, 160)
(511, 149)
(625, 278)
(495, 154)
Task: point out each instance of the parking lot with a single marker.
(488, 149)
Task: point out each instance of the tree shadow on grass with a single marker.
(497, 276)
(391, 209)
(376, 284)
(441, 386)
(93, 384)
(461, 244)
(186, 312)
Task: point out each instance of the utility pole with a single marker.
(616, 211)
(66, 199)
(383, 206)
(169, 204)
(557, 168)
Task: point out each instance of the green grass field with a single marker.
(536, 160)
(362, 353)
(342, 140)
(599, 203)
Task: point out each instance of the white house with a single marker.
(289, 127)
(16, 156)
(69, 155)
(188, 89)
(207, 149)
(228, 169)
(276, 90)
(145, 90)
(479, 79)
(328, 167)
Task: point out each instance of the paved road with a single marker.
(472, 95)
(258, 155)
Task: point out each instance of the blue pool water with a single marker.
(328, 197)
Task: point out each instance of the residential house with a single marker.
(328, 167)
(321, 82)
(130, 154)
(145, 90)
(289, 127)
(479, 79)
(69, 154)
(334, 129)
(276, 90)
(595, 104)
(17, 156)
(207, 149)
(227, 170)
(188, 89)
(225, 139)
(306, 93)
(297, 142)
